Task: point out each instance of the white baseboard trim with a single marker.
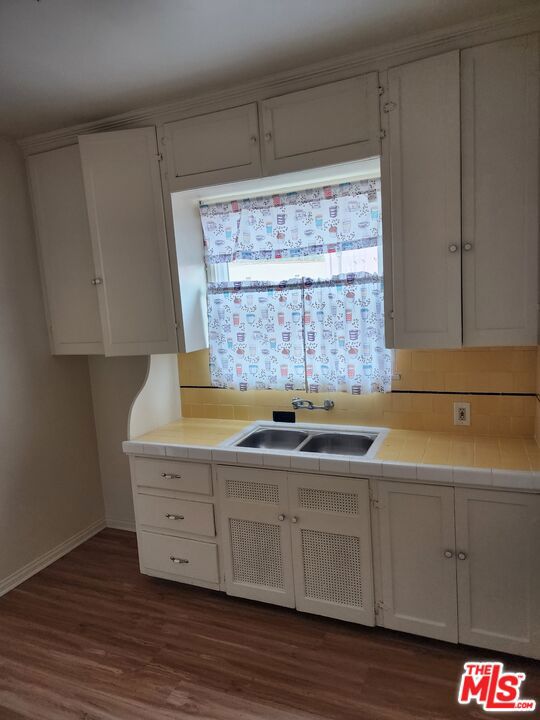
(120, 524)
(41, 562)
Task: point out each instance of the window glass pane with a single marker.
(315, 266)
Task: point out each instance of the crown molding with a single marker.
(374, 59)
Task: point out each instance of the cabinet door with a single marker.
(417, 559)
(498, 550)
(421, 180)
(256, 535)
(323, 125)
(331, 542)
(127, 226)
(65, 251)
(215, 148)
(500, 192)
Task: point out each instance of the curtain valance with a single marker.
(308, 222)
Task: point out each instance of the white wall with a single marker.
(49, 475)
(116, 382)
(158, 402)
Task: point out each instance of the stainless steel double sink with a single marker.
(312, 441)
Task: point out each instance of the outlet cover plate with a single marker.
(462, 413)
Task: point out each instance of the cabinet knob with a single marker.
(462, 555)
(467, 247)
(448, 554)
(281, 517)
(452, 248)
(268, 136)
(97, 281)
(253, 139)
(294, 519)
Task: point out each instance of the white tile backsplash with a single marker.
(472, 476)
(401, 471)
(435, 473)
(334, 465)
(304, 462)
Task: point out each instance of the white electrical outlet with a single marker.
(462, 413)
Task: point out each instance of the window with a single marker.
(295, 292)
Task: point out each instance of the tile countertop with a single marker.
(513, 463)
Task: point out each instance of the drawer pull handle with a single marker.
(170, 516)
(178, 561)
(171, 476)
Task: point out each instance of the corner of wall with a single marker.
(537, 417)
(115, 382)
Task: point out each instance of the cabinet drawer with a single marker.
(177, 556)
(172, 514)
(173, 475)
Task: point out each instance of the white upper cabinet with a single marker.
(328, 124)
(127, 227)
(498, 540)
(500, 192)
(421, 186)
(65, 252)
(215, 148)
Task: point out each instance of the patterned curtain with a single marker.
(324, 336)
(344, 336)
(310, 222)
(315, 335)
(256, 336)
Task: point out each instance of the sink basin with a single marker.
(338, 444)
(274, 439)
(310, 440)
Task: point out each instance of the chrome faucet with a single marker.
(299, 404)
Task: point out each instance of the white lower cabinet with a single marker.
(498, 570)
(174, 513)
(417, 566)
(187, 559)
(256, 535)
(298, 540)
(331, 546)
(481, 588)
(165, 513)
(454, 564)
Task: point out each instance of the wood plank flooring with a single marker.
(89, 638)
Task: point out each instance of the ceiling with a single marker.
(68, 61)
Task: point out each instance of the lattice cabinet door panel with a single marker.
(256, 535)
(331, 546)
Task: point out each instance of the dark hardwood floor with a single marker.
(89, 638)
